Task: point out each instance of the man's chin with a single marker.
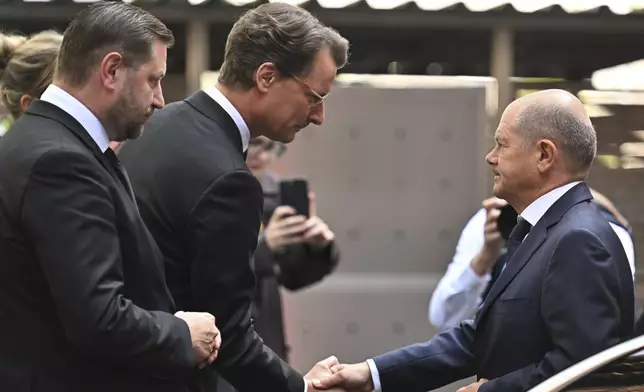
(134, 132)
(497, 191)
(289, 137)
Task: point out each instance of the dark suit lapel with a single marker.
(532, 242)
(53, 112)
(207, 106)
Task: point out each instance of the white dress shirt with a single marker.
(458, 294)
(221, 99)
(65, 101)
(461, 288)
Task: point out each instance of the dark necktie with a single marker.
(519, 232)
(245, 153)
(120, 172)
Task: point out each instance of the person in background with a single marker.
(480, 256)
(26, 68)
(290, 253)
(5, 120)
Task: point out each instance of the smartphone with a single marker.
(295, 193)
(506, 221)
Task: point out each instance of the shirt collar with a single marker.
(72, 106)
(539, 207)
(221, 99)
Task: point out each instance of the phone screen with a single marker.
(295, 193)
(506, 221)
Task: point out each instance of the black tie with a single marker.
(519, 232)
(120, 172)
(245, 153)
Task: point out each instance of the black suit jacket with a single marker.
(83, 300)
(203, 207)
(565, 295)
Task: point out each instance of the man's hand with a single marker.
(321, 369)
(474, 387)
(205, 336)
(284, 228)
(489, 254)
(318, 233)
(355, 377)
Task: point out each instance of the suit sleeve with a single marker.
(69, 217)
(224, 227)
(421, 367)
(580, 308)
(299, 266)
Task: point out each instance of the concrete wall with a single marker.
(397, 173)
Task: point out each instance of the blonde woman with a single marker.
(26, 68)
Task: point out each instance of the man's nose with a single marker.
(158, 101)
(490, 158)
(317, 114)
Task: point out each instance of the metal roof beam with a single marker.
(358, 18)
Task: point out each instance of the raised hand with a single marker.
(318, 233)
(354, 378)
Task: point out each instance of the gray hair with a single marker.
(287, 36)
(575, 137)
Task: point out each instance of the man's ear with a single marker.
(547, 151)
(265, 76)
(111, 69)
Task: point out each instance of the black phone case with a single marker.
(295, 193)
(506, 221)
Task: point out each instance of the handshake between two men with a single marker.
(328, 374)
(331, 375)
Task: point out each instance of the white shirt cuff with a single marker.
(306, 385)
(375, 376)
(469, 278)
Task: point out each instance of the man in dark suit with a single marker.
(566, 292)
(83, 297)
(198, 198)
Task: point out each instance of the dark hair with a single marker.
(104, 27)
(573, 135)
(26, 66)
(286, 35)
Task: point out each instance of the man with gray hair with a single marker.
(566, 292)
(199, 199)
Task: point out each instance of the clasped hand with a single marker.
(330, 375)
(206, 339)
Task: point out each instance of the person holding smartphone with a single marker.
(294, 251)
(480, 258)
